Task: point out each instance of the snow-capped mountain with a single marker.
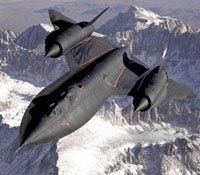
(23, 63)
(116, 141)
(149, 35)
(190, 15)
(6, 38)
(138, 18)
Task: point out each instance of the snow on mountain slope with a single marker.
(148, 42)
(22, 63)
(190, 15)
(173, 158)
(14, 102)
(7, 36)
(116, 141)
(138, 18)
(93, 149)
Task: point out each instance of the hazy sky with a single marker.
(146, 3)
(19, 14)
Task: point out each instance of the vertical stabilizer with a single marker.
(162, 59)
(60, 20)
(94, 19)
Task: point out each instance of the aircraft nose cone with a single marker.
(142, 105)
(48, 130)
(53, 52)
(37, 136)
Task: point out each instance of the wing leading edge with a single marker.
(134, 69)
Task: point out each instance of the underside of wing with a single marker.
(126, 82)
(176, 90)
(59, 20)
(89, 50)
(135, 65)
(134, 68)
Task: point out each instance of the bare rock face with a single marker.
(155, 35)
(138, 18)
(176, 157)
(23, 58)
(33, 36)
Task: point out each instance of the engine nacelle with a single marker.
(149, 89)
(61, 41)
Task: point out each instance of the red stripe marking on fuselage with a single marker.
(114, 83)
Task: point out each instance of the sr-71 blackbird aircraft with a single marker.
(98, 69)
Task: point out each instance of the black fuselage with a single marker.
(67, 104)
